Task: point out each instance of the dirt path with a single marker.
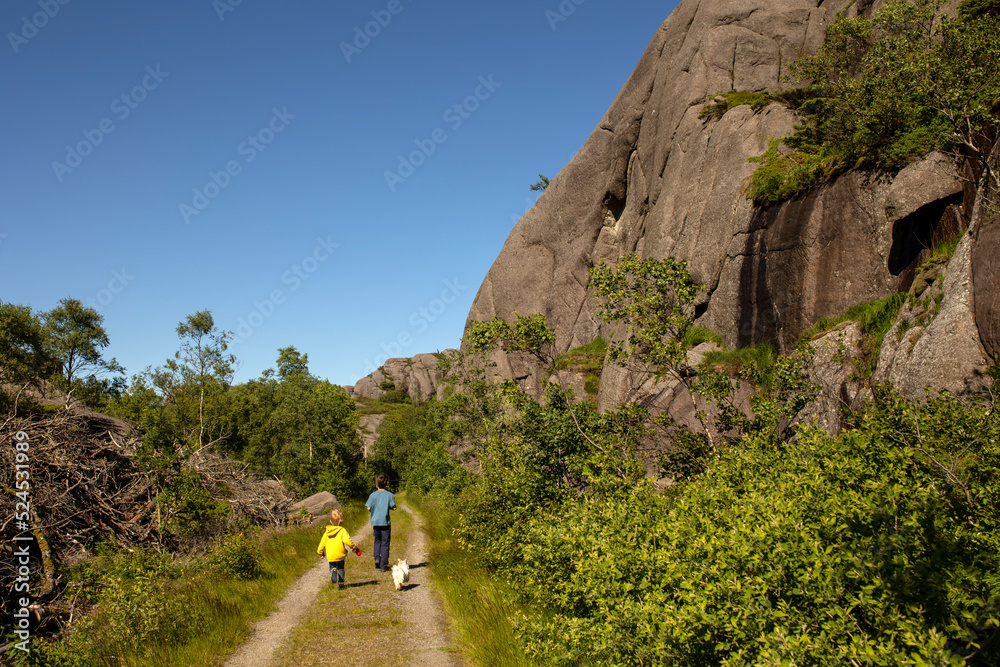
(421, 608)
(269, 633)
(368, 622)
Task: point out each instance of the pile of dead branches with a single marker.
(87, 487)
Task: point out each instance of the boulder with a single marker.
(317, 505)
(833, 369)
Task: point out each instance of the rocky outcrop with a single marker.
(417, 377)
(316, 506)
(945, 351)
(656, 179)
(834, 371)
(986, 279)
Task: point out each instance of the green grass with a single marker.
(224, 607)
(698, 335)
(942, 251)
(480, 605)
(875, 319)
(783, 174)
(759, 358)
(734, 98)
(586, 358)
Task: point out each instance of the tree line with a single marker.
(287, 424)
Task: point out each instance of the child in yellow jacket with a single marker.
(334, 539)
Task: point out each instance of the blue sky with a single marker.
(163, 158)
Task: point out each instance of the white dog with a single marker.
(400, 574)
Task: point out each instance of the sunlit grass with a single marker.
(479, 604)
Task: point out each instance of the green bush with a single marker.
(238, 556)
(873, 547)
(394, 395)
(888, 89)
(142, 605)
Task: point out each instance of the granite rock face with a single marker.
(945, 353)
(656, 179)
(417, 377)
(986, 278)
(833, 369)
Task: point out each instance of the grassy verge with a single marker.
(755, 361)
(156, 611)
(360, 624)
(479, 605)
(875, 317)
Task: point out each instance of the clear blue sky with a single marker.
(256, 107)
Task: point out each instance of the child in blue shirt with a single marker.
(379, 504)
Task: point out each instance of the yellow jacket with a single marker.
(334, 540)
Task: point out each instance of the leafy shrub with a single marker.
(873, 547)
(395, 396)
(140, 605)
(888, 89)
(238, 556)
(188, 507)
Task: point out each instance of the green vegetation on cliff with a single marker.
(775, 543)
(887, 89)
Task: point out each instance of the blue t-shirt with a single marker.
(379, 503)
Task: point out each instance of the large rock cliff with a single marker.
(657, 179)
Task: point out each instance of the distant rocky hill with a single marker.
(416, 377)
(657, 179)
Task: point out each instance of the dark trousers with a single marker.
(337, 570)
(383, 536)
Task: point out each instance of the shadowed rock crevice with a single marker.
(915, 234)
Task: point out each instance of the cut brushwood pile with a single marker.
(87, 487)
